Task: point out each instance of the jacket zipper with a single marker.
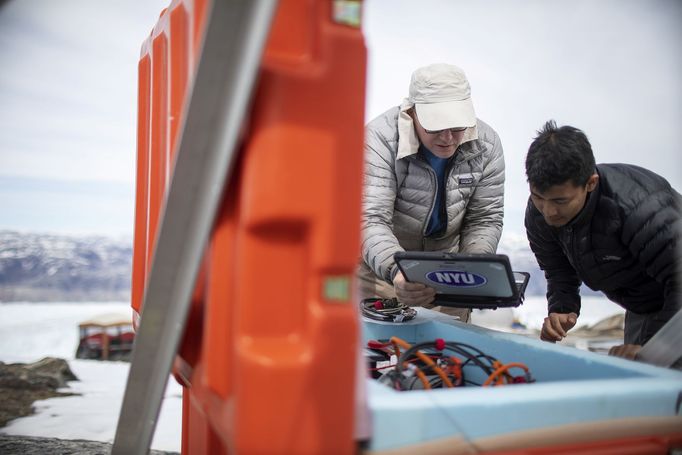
(572, 248)
(434, 179)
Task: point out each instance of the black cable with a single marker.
(471, 358)
(487, 357)
(387, 310)
(474, 358)
(445, 356)
(459, 348)
(488, 369)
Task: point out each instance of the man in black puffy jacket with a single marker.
(614, 227)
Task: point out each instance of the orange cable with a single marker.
(424, 358)
(420, 374)
(501, 370)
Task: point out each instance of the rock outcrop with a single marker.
(21, 445)
(22, 384)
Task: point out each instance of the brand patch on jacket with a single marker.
(610, 257)
(465, 180)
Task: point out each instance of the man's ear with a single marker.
(592, 182)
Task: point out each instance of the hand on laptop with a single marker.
(413, 294)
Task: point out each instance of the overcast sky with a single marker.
(68, 90)
(68, 94)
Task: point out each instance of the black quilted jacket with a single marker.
(624, 243)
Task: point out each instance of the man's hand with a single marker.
(556, 325)
(627, 351)
(413, 294)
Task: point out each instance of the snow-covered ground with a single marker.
(31, 331)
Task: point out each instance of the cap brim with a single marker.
(449, 114)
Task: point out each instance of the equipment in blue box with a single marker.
(439, 364)
(438, 383)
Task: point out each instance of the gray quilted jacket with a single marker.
(399, 195)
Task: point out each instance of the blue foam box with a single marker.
(579, 397)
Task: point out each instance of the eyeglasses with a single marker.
(451, 130)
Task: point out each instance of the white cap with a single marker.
(442, 97)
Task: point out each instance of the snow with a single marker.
(31, 331)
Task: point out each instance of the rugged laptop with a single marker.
(466, 281)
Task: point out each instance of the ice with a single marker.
(31, 331)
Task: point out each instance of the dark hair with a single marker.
(558, 155)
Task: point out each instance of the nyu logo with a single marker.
(456, 278)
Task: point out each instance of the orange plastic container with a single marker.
(268, 359)
(167, 60)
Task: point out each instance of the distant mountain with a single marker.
(47, 267)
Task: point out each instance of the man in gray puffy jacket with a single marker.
(614, 227)
(434, 181)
